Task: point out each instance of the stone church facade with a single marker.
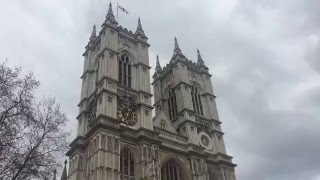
(119, 139)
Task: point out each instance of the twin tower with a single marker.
(119, 139)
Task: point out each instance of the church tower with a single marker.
(117, 137)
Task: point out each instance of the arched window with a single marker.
(196, 100)
(126, 165)
(125, 70)
(172, 104)
(171, 171)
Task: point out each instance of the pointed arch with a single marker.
(196, 92)
(172, 103)
(173, 169)
(127, 164)
(125, 69)
(195, 83)
(129, 52)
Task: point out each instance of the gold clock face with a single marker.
(127, 115)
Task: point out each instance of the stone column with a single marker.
(222, 174)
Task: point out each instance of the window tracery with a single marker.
(125, 70)
(196, 100)
(171, 171)
(172, 104)
(126, 165)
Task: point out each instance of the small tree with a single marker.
(32, 136)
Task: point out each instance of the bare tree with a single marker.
(32, 135)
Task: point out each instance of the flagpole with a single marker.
(117, 12)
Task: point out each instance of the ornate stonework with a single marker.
(117, 137)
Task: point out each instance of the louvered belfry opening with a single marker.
(196, 100)
(126, 165)
(171, 171)
(125, 70)
(172, 104)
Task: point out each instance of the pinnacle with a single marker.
(110, 12)
(110, 17)
(139, 25)
(93, 34)
(176, 47)
(199, 57)
(200, 61)
(158, 67)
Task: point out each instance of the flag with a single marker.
(123, 9)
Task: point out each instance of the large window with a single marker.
(172, 104)
(126, 165)
(196, 100)
(125, 70)
(171, 171)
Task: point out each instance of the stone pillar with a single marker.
(222, 173)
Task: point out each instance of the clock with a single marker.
(205, 140)
(127, 115)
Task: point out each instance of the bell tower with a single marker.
(185, 105)
(115, 97)
(116, 74)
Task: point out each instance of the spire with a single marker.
(94, 33)
(55, 174)
(64, 172)
(158, 67)
(176, 47)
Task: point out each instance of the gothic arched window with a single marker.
(126, 165)
(125, 70)
(196, 100)
(172, 104)
(171, 171)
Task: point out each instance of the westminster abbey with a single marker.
(122, 135)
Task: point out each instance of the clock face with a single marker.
(127, 115)
(205, 141)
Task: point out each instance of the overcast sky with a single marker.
(264, 56)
